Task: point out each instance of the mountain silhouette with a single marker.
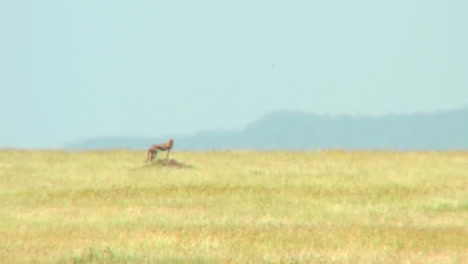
(292, 130)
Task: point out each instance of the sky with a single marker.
(72, 70)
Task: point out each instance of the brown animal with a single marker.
(153, 150)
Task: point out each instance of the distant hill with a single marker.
(289, 130)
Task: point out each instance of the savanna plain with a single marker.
(329, 206)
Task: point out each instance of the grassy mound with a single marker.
(170, 163)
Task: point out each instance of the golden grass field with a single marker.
(234, 207)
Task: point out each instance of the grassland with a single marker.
(234, 207)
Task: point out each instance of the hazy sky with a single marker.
(78, 69)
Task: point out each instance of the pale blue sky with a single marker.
(77, 69)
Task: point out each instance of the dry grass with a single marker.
(234, 207)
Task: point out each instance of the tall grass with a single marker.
(234, 207)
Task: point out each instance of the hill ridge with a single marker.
(295, 130)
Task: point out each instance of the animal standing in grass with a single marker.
(153, 150)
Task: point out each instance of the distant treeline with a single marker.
(447, 130)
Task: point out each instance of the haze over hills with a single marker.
(292, 130)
